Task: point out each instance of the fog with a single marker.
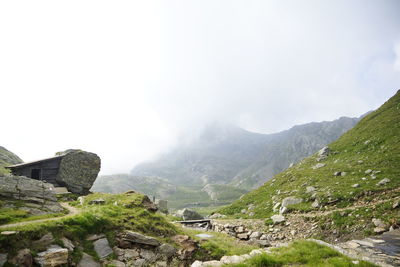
(124, 79)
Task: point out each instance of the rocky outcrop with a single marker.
(54, 256)
(187, 215)
(78, 170)
(39, 194)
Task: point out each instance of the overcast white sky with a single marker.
(124, 78)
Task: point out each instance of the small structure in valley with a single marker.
(74, 169)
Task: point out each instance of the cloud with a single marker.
(125, 79)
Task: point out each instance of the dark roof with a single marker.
(34, 162)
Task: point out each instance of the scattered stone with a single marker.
(291, 201)
(310, 189)
(368, 171)
(315, 204)
(378, 223)
(360, 162)
(283, 210)
(139, 262)
(217, 216)
(68, 243)
(318, 165)
(396, 205)
(115, 263)
(343, 173)
(43, 242)
(102, 248)
(379, 230)
(277, 219)
(23, 258)
(88, 261)
(355, 185)
(363, 178)
(8, 232)
(148, 255)
(243, 236)
(98, 201)
(134, 237)
(255, 235)
(251, 214)
(243, 211)
(95, 237)
(54, 256)
(383, 181)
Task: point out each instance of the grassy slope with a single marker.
(374, 143)
(7, 158)
(110, 218)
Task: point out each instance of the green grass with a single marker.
(374, 143)
(301, 253)
(219, 245)
(120, 212)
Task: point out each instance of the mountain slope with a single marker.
(226, 154)
(360, 173)
(7, 158)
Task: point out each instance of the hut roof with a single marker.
(33, 162)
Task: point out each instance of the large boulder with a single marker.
(39, 193)
(54, 256)
(187, 215)
(78, 170)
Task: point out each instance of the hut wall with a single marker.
(48, 170)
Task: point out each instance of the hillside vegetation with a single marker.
(360, 173)
(7, 158)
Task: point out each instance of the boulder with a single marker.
(23, 258)
(31, 191)
(383, 181)
(243, 236)
(323, 153)
(102, 248)
(88, 261)
(78, 170)
(187, 215)
(54, 256)
(68, 243)
(291, 201)
(255, 235)
(277, 219)
(137, 238)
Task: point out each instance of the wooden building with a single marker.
(44, 169)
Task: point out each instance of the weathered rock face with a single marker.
(39, 193)
(78, 170)
(54, 256)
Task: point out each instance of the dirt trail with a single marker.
(72, 211)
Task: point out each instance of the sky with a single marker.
(125, 79)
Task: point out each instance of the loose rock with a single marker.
(55, 256)
(102, 248)
(88, 261)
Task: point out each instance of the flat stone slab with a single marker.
(102, 248)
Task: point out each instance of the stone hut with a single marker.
(74, 169)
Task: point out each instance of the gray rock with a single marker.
(310, 189)
(102, 248)
(161, 264)
(255, 235)
(54, 256)
(277, 219)
(337, 173)
(88, 261)
(262, 243)
(315, 204)
(379, 223)
(139, 262)
(29, 190)
(355, 185)
(148, 255)
(368, 171)
(323, 153)
(243, 236)
(95, 237)
(130, 254)
(379, 230)
(117, 263)
(318, 165)
(23, 258)
(283, 210)
(43, 242)
(396, 205)
(68, 243)
(187, 215)
(9, 233)
(167, 250)
(3, 259)
(291, 201)
(78, 170)
(276, 207)
(81, 200)
(134, 237)
(383, 181)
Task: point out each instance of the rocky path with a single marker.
(72, 211)
(383, 250)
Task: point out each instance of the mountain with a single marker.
(177, 196)
(7, 158)
(226, 154)
(342, 190)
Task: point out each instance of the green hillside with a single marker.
(7, 158)
(365, 155)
